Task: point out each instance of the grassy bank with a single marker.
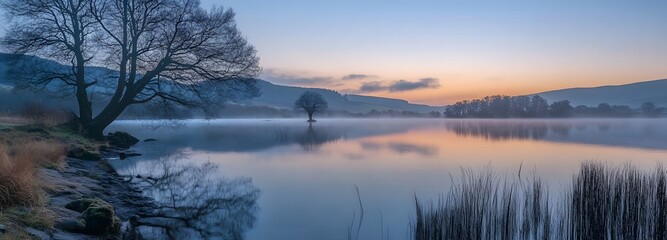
(27, 147)
(602, 202)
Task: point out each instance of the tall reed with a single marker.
(603, 202)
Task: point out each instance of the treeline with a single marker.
(535, 107)
(389, 113)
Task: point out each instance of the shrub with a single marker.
(38, 113)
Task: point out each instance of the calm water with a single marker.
(306, 174)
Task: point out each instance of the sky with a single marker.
(439, 52)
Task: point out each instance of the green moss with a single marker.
(98, 216)
(99, 219)
(80, 153)
(82, 204)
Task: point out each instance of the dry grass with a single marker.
(23, 199)
(47, 153)
(19, 162)
(17, 218)
(14, 120)
(26, 145)
(36, 114)
(35, 217)
(15, 232)
(18, 180)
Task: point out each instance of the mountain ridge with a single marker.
(631, 94)
(273, 95)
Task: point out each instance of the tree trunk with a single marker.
(310, 116)
(94, 131)
(95, 128)
(85, 107)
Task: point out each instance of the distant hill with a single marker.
(276, 96)
(633, 94)
(280, 96)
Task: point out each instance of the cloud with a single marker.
(404, 85)
(400, 85)
(374, 86)
(289, 78)
(357, 76)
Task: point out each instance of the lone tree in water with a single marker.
(311, 102)
(160, 53)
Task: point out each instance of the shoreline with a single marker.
(77, 193)
(92, 179)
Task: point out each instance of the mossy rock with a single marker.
(121, 139)
(100, 220)
(80, 153)
(97, 216)
(82, 204)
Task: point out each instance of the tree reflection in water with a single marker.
(497, 130)
(312, 139)
(193, 201)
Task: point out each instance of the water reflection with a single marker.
(307, 173)
(628, 133)
(401, 148)
(192, 201)
(494, 130)
(255, 135)
(311, 139)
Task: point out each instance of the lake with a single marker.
(306, 175)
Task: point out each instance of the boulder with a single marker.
(125, 155)
(97, 217)
(80, 153)
(121, 139)
(150, 140)
(82, 204)
(72, 225)
(100, 219)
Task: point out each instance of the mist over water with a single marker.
(306, 173)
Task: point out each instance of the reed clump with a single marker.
(602, 202)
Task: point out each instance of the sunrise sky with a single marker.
(438, 52)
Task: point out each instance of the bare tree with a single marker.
(164, 52)
(311, 102)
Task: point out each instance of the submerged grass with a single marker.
(603, 202)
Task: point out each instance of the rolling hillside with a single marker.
(279, 96)
(273, 95)
(633, 94)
